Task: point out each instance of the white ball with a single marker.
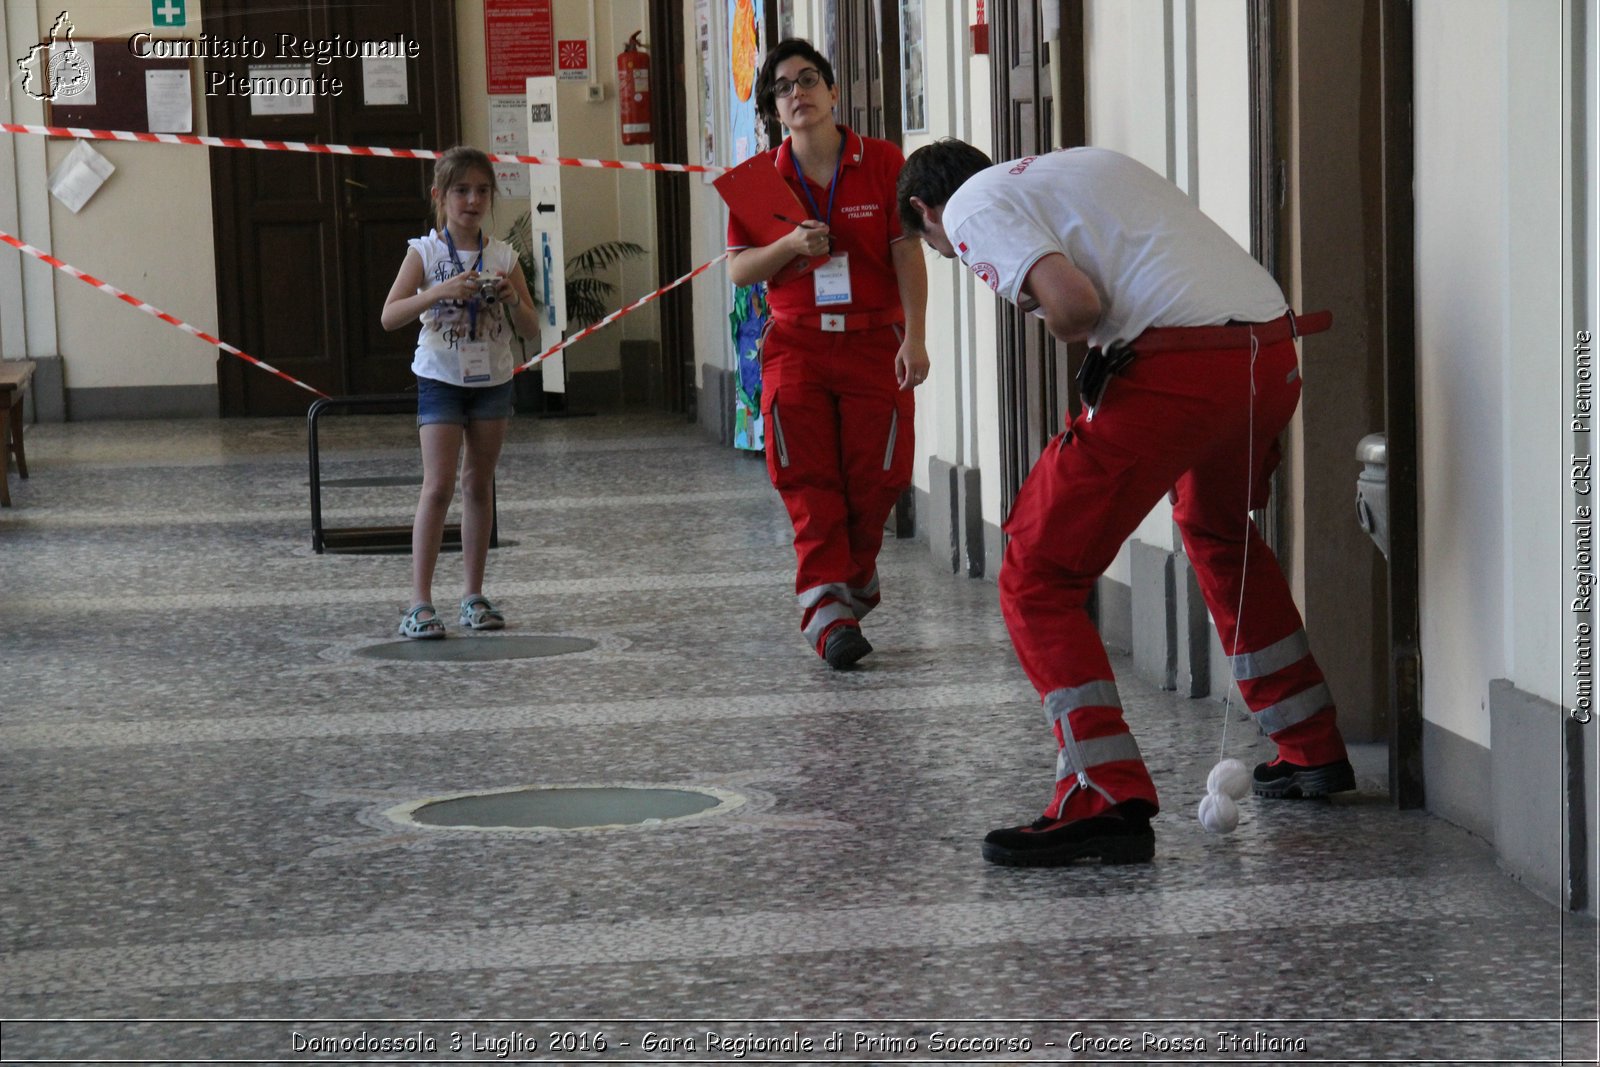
(1230, 777)
(1218, 813)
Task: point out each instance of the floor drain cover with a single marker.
(566, 808)
(476, 649)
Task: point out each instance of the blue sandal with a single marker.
(414, 626)
(478, 614)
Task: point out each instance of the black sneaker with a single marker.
(1283, 780)
(844, 646)
(1121, 836)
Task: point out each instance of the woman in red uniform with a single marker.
(843, 352)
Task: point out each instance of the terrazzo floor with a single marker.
(201, 761)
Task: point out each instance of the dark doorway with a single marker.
(308, 245)
(669, 98)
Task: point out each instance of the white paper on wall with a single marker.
(383, 82)
(508, 135)
(80, 176)
(169, 103)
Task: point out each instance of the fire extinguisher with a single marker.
(633, 92)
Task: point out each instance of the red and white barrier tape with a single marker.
(615, 315)
(105, 287)
(343, 149)
(90, 279)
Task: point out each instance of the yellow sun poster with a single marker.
(745, 19)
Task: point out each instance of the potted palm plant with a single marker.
(589, 296)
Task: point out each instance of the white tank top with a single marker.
(447, 323)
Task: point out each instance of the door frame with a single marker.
(669, 106)
(1407, 784)
(1272, 77)
(1037, 393)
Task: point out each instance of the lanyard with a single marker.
(455, 261)
(833, 186)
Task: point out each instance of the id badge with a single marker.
(833, 280)
(474, 361)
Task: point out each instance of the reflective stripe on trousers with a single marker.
(1276, 658)
(1077, 758)
(1272, 659)
(832, 604)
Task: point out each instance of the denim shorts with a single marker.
(460, 404)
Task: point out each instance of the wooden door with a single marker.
(867, 67)
(308, 244)
(1037, 394)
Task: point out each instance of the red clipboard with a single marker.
(756, 195)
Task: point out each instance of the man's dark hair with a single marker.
(766, 96)
(932, 174)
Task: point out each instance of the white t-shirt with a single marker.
(1153, 256)
(448, 323)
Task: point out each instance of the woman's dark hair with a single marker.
(789, 47)
(932, 174)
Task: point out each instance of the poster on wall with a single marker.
(708, 106)
(913, 92)
(508, 135)
(746, 19)
(385, 82)
(519, 42)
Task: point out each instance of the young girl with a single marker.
(463, 287)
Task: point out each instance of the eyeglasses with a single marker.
(808, 79)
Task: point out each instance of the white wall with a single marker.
(1461, 328)
(147, 232)
(1491, 352)
(1222, 113)
(1535, 364)
(1129, 109)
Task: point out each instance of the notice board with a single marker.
(124, 92)
(519, 40)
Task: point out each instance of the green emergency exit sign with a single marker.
(166, 14)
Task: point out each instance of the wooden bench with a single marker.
(14, 377)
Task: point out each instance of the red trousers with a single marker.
(1196, 422)
(839, 447)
